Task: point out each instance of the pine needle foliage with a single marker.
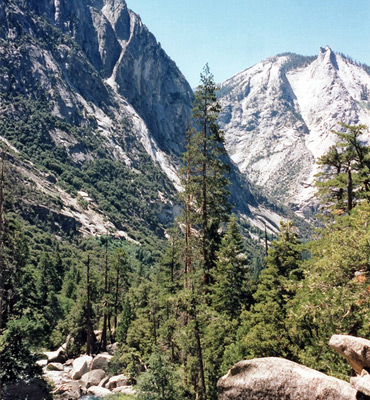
(205, 174)
(344, 180)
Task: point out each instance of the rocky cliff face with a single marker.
(130, 60)
(278, 116)
(84, 83)
(123, 52)
(85, 80)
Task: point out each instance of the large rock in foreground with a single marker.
(279, 379)
(356, 350)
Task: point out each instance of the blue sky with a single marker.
(232, 35)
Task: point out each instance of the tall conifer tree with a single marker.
(205, 180)
(206, 207)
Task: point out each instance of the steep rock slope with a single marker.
(91, 99)
(65, 106)
(278, 116)
(127, 55)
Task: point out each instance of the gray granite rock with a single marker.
(355, 350)
(93, 378)
(126, 390)
(361, 384)
(57, 356)
(69, 390)
(80, 365)
(101, 361)
(55, 367)
(98, 391)
(279, 379)
(117, 381)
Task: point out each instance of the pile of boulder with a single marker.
(84, 375)
(274, 378)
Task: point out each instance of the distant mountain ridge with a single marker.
(278, 116)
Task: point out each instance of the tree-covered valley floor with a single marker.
(184, 310)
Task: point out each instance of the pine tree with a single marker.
(345, 180)
(46, 285)
(2, 258)
(125, 321)
(231, 275)
(171, 267)
(121, 275)
(264, 326)
(206, 208)
(205, 175)
(47, 278)
(106, 305)
(2, 241)
(89, 327)
(331, 184)
(158, 383)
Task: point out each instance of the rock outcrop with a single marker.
(355, 350)
(105, 89)
(361, 384)
(101, 78)
(280, 379)
(129, 58)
